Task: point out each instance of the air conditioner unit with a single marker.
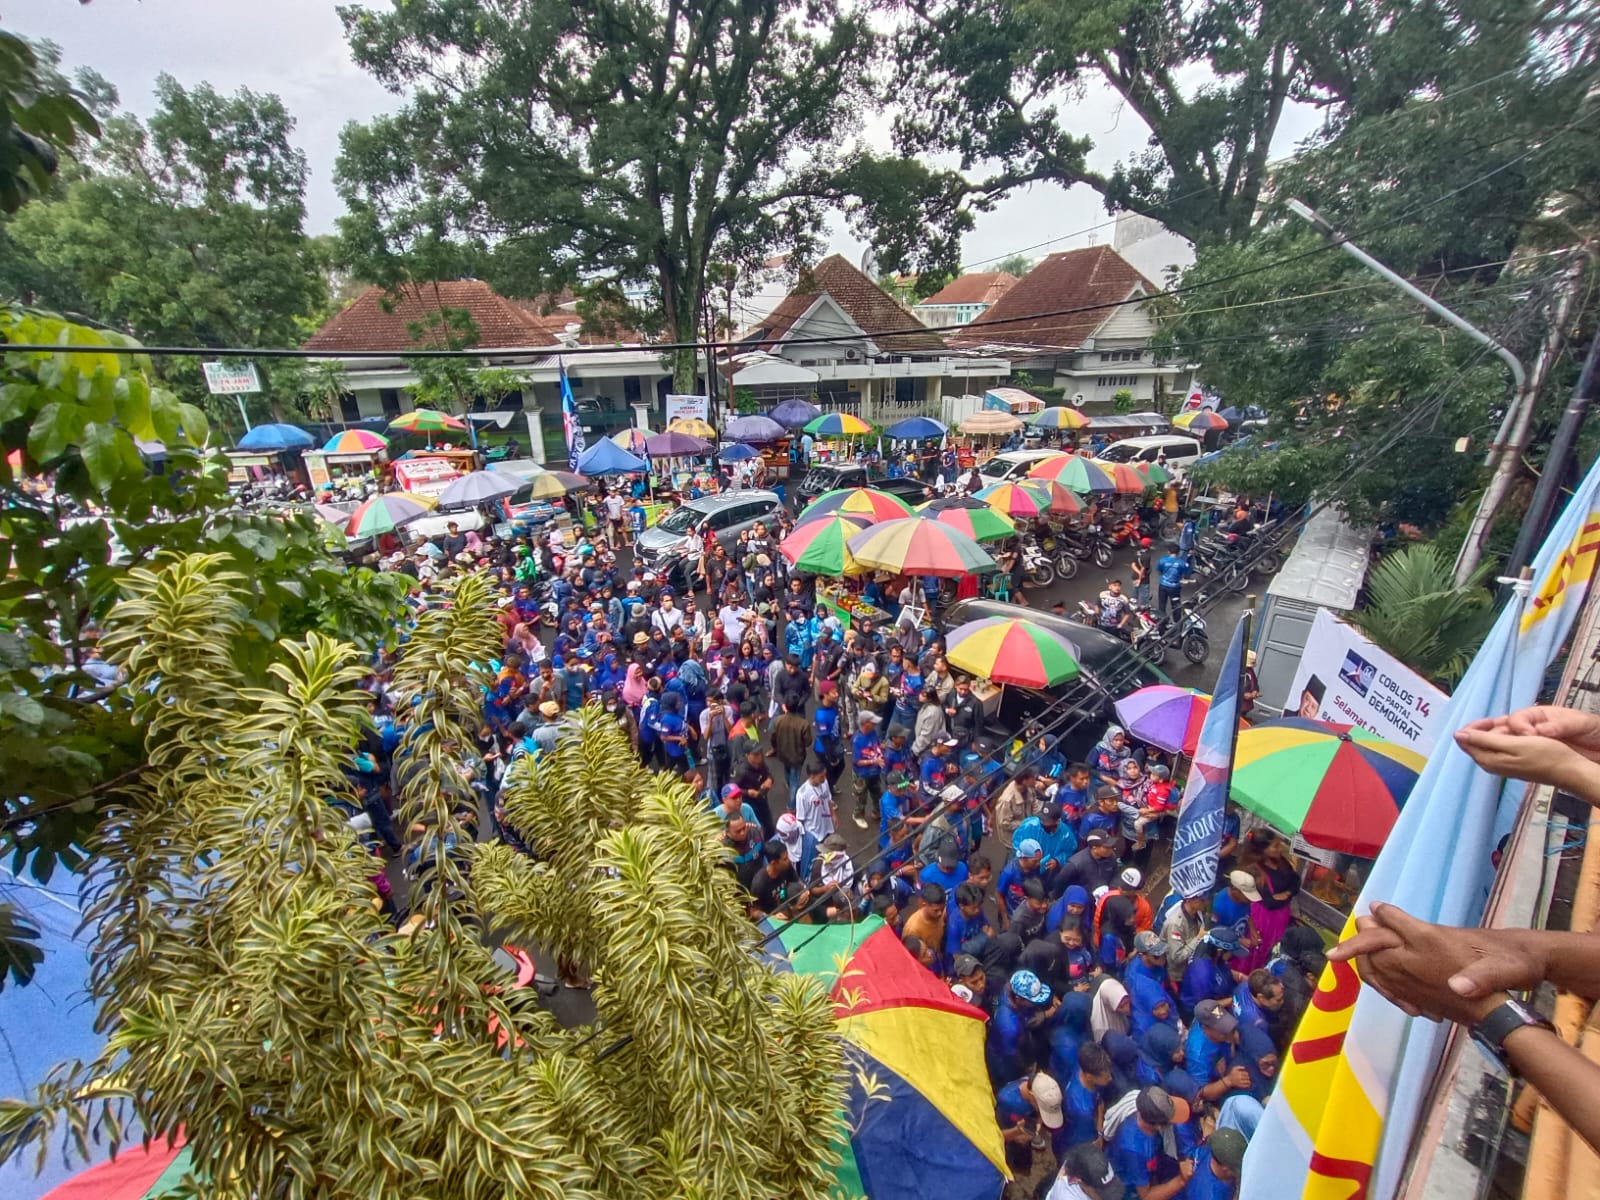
(852, 356)
(1077, 400)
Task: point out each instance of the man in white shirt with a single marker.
(668, 617)
(619, 530)
(813, 801)
(734, 618)
(1085, 1175)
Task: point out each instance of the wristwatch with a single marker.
(1491, 1032)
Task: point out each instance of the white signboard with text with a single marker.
(686, 408)
(1345, 678)
(231, 379)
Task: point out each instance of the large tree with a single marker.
(186, 229)
(995, 81)
(1482, 199)
(255, 1001)
(613, 147)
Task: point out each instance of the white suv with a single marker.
(1012, 466)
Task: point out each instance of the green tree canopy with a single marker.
(619, 149)
(994, 79)
(186, 229)
(254, 998)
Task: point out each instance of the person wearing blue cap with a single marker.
(1026, 1001)
(1012, 877)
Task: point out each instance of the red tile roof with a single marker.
(980, 287)
(1072, 279)
(867, 304)
(379, 320)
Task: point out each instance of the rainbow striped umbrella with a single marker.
(1154, 472)
(1127, 481)
(1006, 650)
(1058, 418)
(970, 515)
(1073, 472)
(818, 545)
(835, 424)
(928, 1128)
(1166, 716)
(1201, 419)
(912, 546)
(426, 420)
(1338, 786)
(1029, 499)
(355, 441)
(386, 513)
(138, 1172)
(879, 506)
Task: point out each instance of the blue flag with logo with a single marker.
(1196, 845)
(569, 420)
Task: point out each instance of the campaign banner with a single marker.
(1346, 678)
(686, 408)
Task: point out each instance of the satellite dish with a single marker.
(869, 263)
(1077, 400)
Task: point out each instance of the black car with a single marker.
(828, 477)
(1108, 669)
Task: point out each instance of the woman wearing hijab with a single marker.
(523, 642)
(1278, 877)
(633, 687)
(1259, 1056)
(1118, 920)
(1151, 1005)
(1108, 755)
(1124, 1052)
(609, 674)
(1208, 976)
(1110, 1010)
(1160, 1051)
(1070, 1030)
(1074, 903)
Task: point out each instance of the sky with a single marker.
(296, 48)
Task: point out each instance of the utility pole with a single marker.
(1510, 465)
(1542, 507)
(1505, 452)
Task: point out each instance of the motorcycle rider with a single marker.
(1170, 572)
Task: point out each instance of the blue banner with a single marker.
(569, 420)
(1195, 845)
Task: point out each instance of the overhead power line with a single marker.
(986, 323)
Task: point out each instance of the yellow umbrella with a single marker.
(693, 426)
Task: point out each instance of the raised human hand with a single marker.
(1533, 757)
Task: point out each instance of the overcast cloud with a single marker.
(296, 49)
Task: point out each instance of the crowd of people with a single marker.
(1131, 1035)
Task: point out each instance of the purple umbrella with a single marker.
(673, 444)
(795, 413)
(754, 429)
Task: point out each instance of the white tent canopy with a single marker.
(766, 369)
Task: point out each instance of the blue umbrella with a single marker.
(605, 457)
(738, 452)
(795, 413)
(270, 438)
(754, 429)
(916, 428)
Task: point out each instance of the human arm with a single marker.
(1165, 1191)
(1235, 1079)
(1537, 757)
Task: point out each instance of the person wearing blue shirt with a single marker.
(897, 755)
(949, 872)
(866, 759)
(826, 743)
(936, 771)
(1135, 1145)
(965, 918)
(1171, 571)
(1015, 873)
(1081, 1100)
(1207, 975)
(1208, 1052)
(1075, 795)
(1257, 998)
(1054, 836)
(1074, 903)
(1105, 814)
(1024, 997)
(1216, 1167)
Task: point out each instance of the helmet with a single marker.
(1145, 542)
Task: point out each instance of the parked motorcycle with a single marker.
(1037, 566)
(1054, 545)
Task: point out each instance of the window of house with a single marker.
(1117, 381)
(905, 391)
(390, 399)
(349, 407)
(632, 392)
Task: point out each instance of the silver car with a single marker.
(662, 548)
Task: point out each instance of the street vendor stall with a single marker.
(836, 598)
(426, 476)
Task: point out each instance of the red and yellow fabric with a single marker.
(876, 505)
(914, 546)
(929, 1128)
(137, 1173)
(1124, 478)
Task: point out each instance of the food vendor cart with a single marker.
(324, 467)
(426, 476)
(837, 599)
